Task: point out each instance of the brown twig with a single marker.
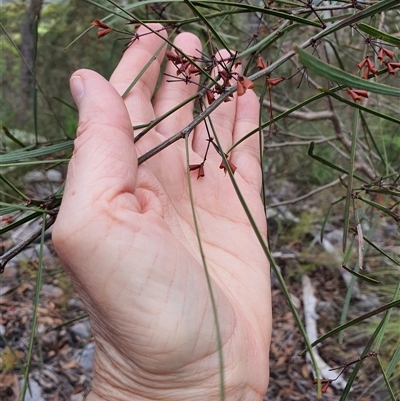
(307, 195)
(15, 250)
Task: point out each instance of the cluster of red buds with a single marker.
(390, 65)
(182, 64)
(227, 75)
(104, 28)
(357, 94)
(369, 67)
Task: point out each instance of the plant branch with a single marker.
(307, 195)
(15, 250)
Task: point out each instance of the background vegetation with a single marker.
(331, 156)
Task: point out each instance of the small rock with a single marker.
(52, 290)
(76, 304)
(5, 289)
(86, 359)
(77, 397)
(81, 330)
(36, 392)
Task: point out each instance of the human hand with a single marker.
(126, 235)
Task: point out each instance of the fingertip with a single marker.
(248, 107)
(188, 40)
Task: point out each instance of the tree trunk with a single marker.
(27, 50)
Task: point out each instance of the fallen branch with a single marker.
(310, 318)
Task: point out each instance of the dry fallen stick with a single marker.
(310, 317)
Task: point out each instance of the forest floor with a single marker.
(63, 348)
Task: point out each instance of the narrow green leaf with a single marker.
(264, 10)
(65, 103)
(336, 53)
(381, 251)
(376, 33)
(346, 390)
(372, 139)
(337, 75)
(208, 278)
(331, 93)
(326, 217)
(385, 378)
(197, 12)
(349, 292)
(9, 135)
(395, 360)
(13, 187)
(328, 163)
(34, 314)
(380, 207)
(48, 150)
(386, 319)
(361, 276)
(350, 323)
(271, 260)
(19, 222)
(349, 191)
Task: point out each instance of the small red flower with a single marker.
(274, 81)
(193, 69)
(171, 56)
(371, 65)
(243, 83)
(261, 64)
(103, 32)
(361, 64)
(199, 167)
(325, 384)
(388, 53)
(241, 90)
(231, 165)
(391, 67)
(100, 24)
(357, 94)
(380, 54)
(247, 83)
(228, 98)
(210, 96)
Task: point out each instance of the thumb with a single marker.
(104, 161)
(103, 166)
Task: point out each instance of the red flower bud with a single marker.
(247, 83)
(210, 96)
(361, 92)
(241, 90)
(361, 64)
(100, 24)
(389, 53)
(199, 167)
(231, 165)
(103, 32)
(261, 64)
(380, 54)
(171, 56)
(356, 94)
(274, 81)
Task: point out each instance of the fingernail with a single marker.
(77, 88)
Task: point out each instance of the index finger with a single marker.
(134, 60)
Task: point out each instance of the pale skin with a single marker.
(126, 235)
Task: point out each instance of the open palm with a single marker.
(126, 234)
